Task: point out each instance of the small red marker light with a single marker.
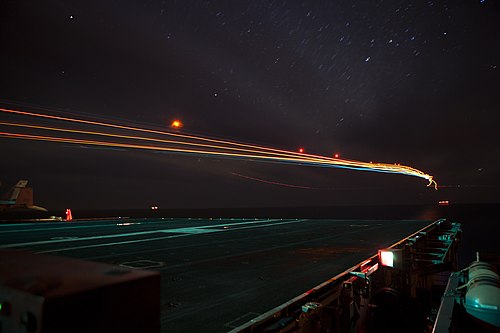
(336, 155)
(301, 150)
(69, 216)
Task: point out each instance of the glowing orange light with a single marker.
(176, 124)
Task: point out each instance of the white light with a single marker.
(386, 258)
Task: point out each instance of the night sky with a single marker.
(410, 82)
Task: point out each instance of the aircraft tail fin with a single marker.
(18, 191)
(19, 196)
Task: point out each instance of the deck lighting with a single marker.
(390, 257)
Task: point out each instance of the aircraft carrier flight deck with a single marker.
(216, 274)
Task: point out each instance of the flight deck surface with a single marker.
(217, 273)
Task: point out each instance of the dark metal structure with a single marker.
(398, 290)
(50, 294)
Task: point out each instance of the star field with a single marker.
(413, 82)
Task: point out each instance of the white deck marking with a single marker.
(114, 243)
(165, 237)
(192, 230)
(200, 229)
(53, 226)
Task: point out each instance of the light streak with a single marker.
(58, 129)
(145, 130)
(136, 146)
(273, 183)
(191, 144)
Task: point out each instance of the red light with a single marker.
(69, 216)
(301, 150)
(336, 155)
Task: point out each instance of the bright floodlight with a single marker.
(386, 258)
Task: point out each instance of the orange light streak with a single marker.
(58, 129)
(145, 130)
(223, 148)
(136, 146)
